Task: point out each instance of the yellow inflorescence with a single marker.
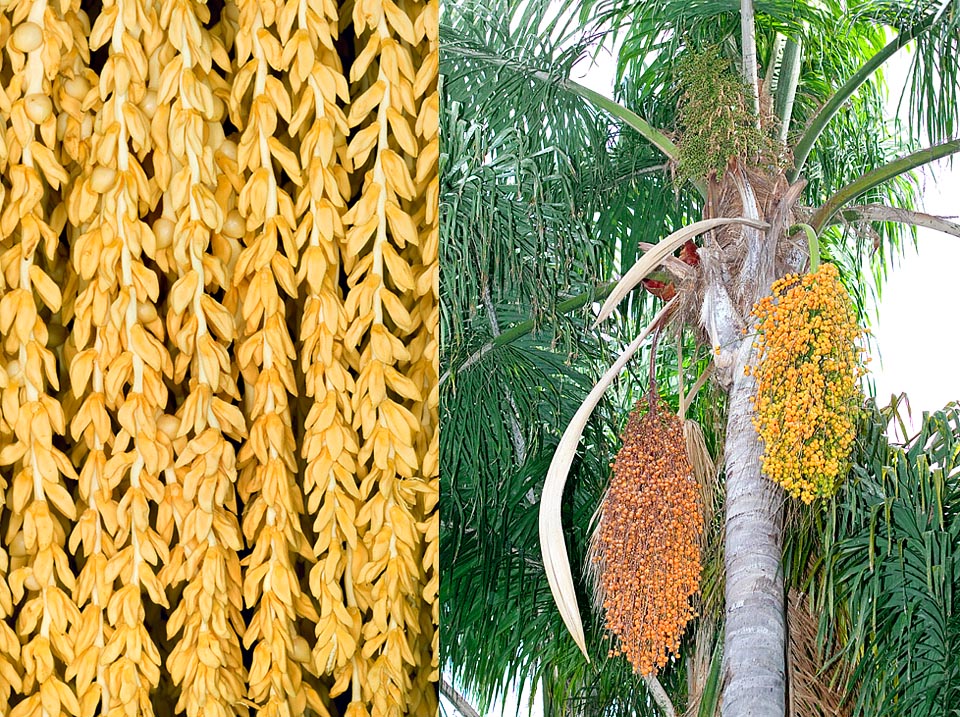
(807, 370)
(648, 552)
(219, 323)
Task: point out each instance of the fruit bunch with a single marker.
(807, 371)
(647, 547)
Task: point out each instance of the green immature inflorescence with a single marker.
(714, 120)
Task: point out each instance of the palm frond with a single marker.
(886, 588)
(512, 203)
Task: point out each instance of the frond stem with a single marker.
(877, 177)
(615, 109)
(846, 91)
(813, 244)
(598, 293)
(686, 400)
(458, 700)
(748, 36)
(660, 696)
(883, 213)
(516, 433)
(787, 83)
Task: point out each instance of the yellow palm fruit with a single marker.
(807, 399)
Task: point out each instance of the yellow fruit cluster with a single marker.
(807, 371)
(219, 315)
(648, 550)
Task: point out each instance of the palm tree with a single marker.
(550, 191)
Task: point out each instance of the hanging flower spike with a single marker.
(265, 352)
(40, 502)
(206, 662)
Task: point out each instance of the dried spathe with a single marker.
(219, 316)
(648, 545)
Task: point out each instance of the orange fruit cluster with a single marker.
(808, 368)
(649, 556)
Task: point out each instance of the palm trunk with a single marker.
(755, 634)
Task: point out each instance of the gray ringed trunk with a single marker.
(738, 270)
(753, 676)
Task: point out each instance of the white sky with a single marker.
(916, 343)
